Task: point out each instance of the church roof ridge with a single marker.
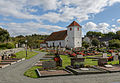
(74, 23)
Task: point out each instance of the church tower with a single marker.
(74, 33)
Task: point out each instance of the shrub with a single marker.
(2, 46)
(10, 45)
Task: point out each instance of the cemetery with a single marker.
(12, 56)
(59, 62)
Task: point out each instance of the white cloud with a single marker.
(63, 10)
(101, 27)
(113, 25)
(53, 11)
(29, 28)
(118, 20)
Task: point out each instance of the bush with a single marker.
(114, 43)
(10, 45)
(2, 46)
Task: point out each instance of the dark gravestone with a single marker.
(119, 57)
(102, 61)
(78, 60)
(48, 64)
(59, 63)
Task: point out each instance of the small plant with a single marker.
(78, 64)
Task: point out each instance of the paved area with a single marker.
(14, 74)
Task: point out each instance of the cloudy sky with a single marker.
(25, 17)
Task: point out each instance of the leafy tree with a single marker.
(94, 34)
(109, 34)
(4, 35)
(95, 42)
(115, 43)
(85, 44)
(117, 35)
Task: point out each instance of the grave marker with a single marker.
(73, 60)
(104, 55)
(115, 57)
(79, 56)
(102, 61)
(113, 54)
(48, 64)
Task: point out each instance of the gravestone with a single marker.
(115, 57)
(48, 64)
(113, 54)
(59, 63)
(102, 61)
(119, 54)
(79, 56)
(104, 55)
(119, 57)
(73, 60)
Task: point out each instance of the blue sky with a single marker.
(25, 17)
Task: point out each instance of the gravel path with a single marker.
(14, 74)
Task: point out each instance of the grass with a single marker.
(114, 62)
(90, 62)
(22, 54)
(65, 60)
(32, 72)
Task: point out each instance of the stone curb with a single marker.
(40, 76)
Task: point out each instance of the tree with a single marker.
(95, 42)
(117, 35)
(110, 34)
(85, 44)
(114, 43)
(4, 35)
(94, 34)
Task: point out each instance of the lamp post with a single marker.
(26, 47)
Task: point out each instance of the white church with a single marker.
(70, 38)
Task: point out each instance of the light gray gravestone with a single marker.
(113, 54)
(79, 56)
(115, 57)
(104, 55)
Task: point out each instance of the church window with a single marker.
(70, 29)
(78, 29)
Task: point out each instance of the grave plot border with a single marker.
(108, 70)
(84, 73)
(69, 74)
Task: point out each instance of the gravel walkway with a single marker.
(14, 74)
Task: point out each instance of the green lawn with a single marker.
(65, 60)
(32, 72)
(22, 54)
(90, 62)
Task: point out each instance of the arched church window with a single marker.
(70, 29)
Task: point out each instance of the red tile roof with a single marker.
(60, 35)
(74, 23)
(43, 42)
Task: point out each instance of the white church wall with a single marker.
(43, 45)
(56, 43)
(74, 37)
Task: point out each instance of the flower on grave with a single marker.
(110, 51)
(56, 59)
(73, 54)
(41, 48)
(110, 58)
